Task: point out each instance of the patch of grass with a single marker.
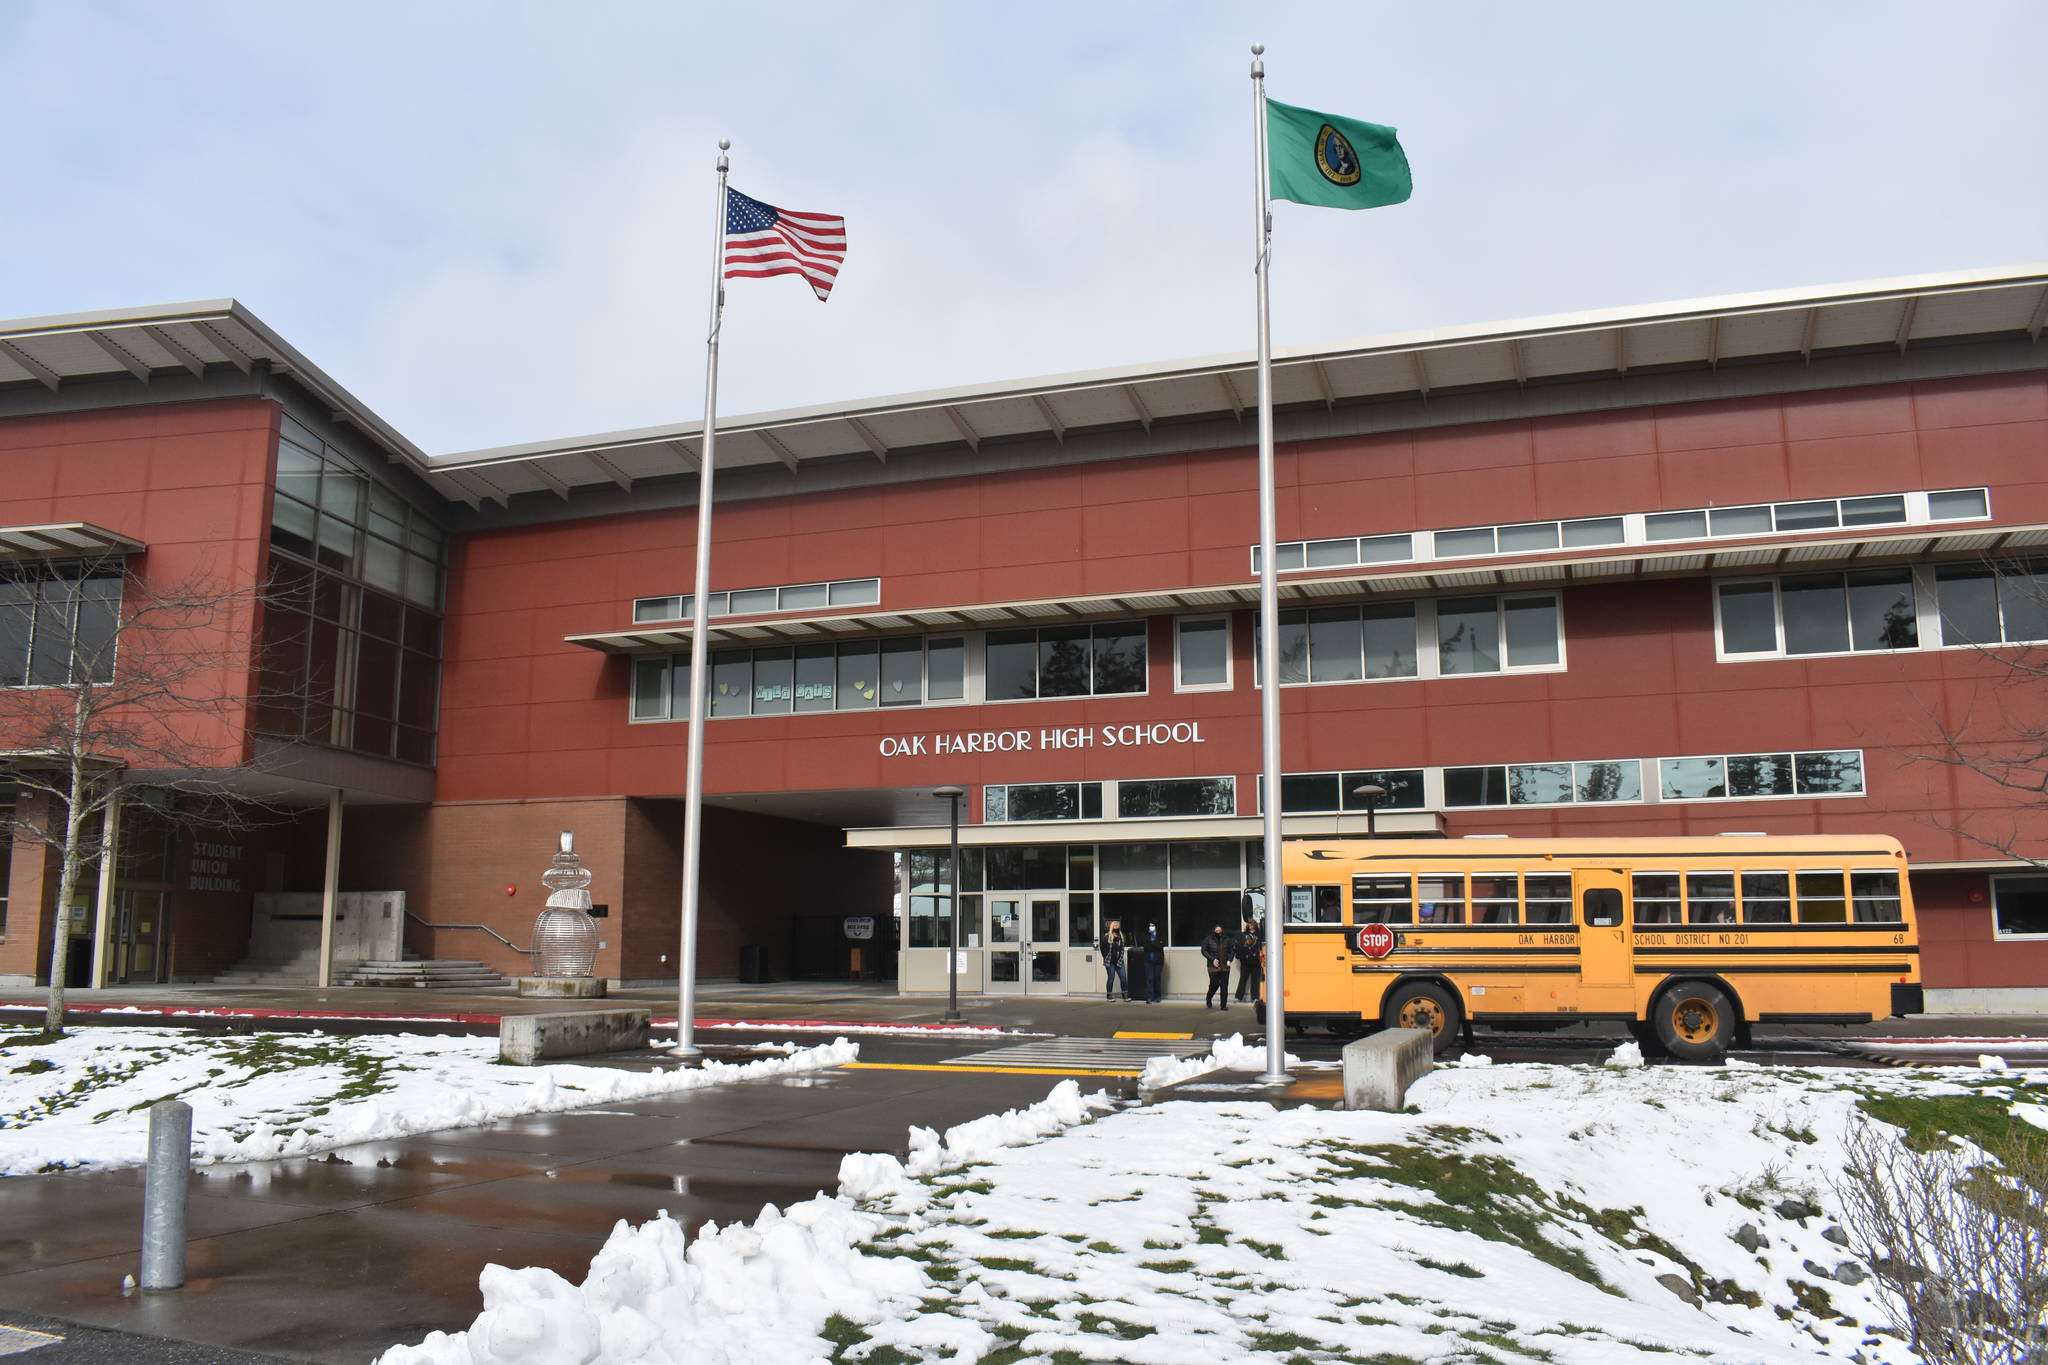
(1485, 1196)
(1103, 1247)
(845, 1335)
(1012, 1235)
(34, 1066)
(1986, 1120)
(1210, 1235)
(1812, 1299)
(1168, 1267)
(1458, 1268)
(1270, 1250)
(1008, 1263)
(1283, 1341)
(1098, 1324)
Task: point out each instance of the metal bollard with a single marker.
(163, 1195)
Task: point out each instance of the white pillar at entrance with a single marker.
(103, 910)
(330, 884)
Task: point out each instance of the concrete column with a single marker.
(103, 911)
(330, 886)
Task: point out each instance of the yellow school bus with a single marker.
(1687, 942)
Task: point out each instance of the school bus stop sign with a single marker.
(1375, 940)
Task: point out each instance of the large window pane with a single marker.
(1829, 772)
(902, 672)
(1807, 516)
(17, 617)
(1656, 897)
(1063, 661)
(1710, 898)
(732, 682)
(1958, 503)
(816, 677)
(49, 661)
(1691, 779)
(1766, 898)
(1888, 510)
(1882, 612)
(946, 668)
(2020, 905)
(1760, 775)
(1620, 781)
(1675, 525)
(774, 680)
(1181, 796)
(1204, 651)
(1458, 544)
(1593, 531)
(1749, 620)
(1389, 629)
(1440, 899)
(1133, 867)
(1042, 801)
(1334, 645)
(94, 641)
(1309, 792)
(1968, 598)
(1476, 786)
(859, 680)
(1011, 664)
(1329, 554)
(1816, 614)
(2023, 601)
(1539, 784)
(1401, 788)
(650, 688)
(1533, 635)
(1207, 866)
(1740, 521)
(1820, 898)
(1468, 635)
(1874, 897)
(1119, 658)
(1535, 535)
(1293, 647)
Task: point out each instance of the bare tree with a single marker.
(109, 687)
(2001, 735)
(1957, 1242)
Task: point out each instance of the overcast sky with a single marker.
(492, 222)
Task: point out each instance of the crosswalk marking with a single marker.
(1057, 1054)
(16, 1341)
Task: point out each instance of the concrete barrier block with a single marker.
(1378, 1069)
(560, 987)
(528, 1038)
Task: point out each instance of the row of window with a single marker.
(1431, 899)
(1701, 777)
(59, 623)
(847, 592)
(1640, 528)
(1185, 889)
(1949, 605)
(334, 515)
(1430, 637)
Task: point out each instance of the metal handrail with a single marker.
(528, 952)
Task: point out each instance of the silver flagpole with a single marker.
(700, 603)
(1269, 616)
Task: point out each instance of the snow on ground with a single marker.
(1583, 1215)
(84, 1099)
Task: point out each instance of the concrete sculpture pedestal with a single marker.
(561, 987)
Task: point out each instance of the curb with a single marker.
(139, 1012)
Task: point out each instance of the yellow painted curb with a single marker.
(1005, 1070)
(1154, 1035)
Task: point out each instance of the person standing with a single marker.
(1250, 961)
(1115, 970)
(1152, 950)
(1218, 948)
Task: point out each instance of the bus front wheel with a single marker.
(1695, 1022)
(1424, 1005)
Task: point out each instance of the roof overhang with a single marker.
(1497, 575)
(145, 343)
(1699, 334)
(64, 540)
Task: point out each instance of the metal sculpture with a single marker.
(565, 936)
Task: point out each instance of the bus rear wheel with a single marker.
(1695, 1022)
(1424, 1005)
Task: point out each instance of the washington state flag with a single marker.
(1338, 163)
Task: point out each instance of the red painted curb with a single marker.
(232, 1012)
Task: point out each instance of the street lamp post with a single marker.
(1370, 793)
(953, 795)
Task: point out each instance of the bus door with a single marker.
(1607, 981)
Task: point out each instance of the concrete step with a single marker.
(431, 973)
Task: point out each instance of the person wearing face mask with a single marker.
(1152, 950)
(1115, 968)
(1218, 949)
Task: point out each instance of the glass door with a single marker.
(1026, 943)
(138, 938)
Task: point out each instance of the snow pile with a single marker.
(1229, 1054)
(1627, 1057)
(1576, 1215)
(83, 1100)
(746, 1294)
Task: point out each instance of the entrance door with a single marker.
(1025, 943)
(138, 938)
(1607, 983)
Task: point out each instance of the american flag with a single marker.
(761, 240)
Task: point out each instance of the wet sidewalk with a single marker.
(334, 1258)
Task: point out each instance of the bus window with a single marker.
(1820, 898)
(1549, 899)
(1766, 898)
(1656, 898)
(1442, 898)
(1710, 897)
(1876, 897)
(1493, 897)
(1382, 900)
(1603, 906)
(1315, 905)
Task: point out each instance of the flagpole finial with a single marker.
(725, 144)
(1258, 49)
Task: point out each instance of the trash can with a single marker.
(752, 972)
